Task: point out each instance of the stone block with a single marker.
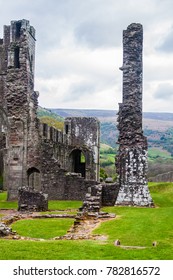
(31, 200)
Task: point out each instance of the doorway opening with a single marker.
(34, 178)
(78, 161)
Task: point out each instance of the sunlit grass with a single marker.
(133, 226)
(42, 228)
(4, 204)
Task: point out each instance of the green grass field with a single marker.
(42, 228)
(154, 153)
(133, 226)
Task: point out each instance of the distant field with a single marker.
(161, 159)
(157, 124)
(154, 153)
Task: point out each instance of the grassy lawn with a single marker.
(63, 205)
(42, 228)
(4, 204)
(133, 226)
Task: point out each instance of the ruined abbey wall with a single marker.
(60, 163)
(70, 159)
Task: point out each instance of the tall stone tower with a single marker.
(132, 155)
(18, 60)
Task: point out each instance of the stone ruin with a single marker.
(31, 200)
(65, 164)
(132, 154)
(62, 164)
(5, 230)
(92, 202)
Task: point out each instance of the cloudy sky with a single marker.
(79, 50)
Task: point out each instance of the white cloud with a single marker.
(79, 49)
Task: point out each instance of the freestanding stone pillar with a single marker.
(132, 155)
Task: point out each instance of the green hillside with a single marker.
(158, 128)
(52, 119)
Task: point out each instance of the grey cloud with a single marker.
(49, 18)
(78, 90)
(95, 23)
(97, 34)
(164, 92)
(167, 44)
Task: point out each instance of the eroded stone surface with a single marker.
(5, 230)
(132, 154)
(31, 200)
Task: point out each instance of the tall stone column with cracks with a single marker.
(132, 155)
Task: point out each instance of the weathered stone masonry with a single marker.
(62, 164)
(132, 154)
(20, 102)
(31, 200)
(70, 159)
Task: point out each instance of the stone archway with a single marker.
(34, 181)
(78, 162)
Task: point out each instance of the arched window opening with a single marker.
(78, 162)
(33, 175)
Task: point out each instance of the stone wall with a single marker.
(69, 159)
(109, 194)
(31, 200)
(132, 154)
(61, 184)
(83, 145)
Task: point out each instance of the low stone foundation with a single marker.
(31, 200)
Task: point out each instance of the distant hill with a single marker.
(52, 119)
(42, 112)
(158, 127)
(101, 114)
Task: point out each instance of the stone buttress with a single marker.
(132, 154)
